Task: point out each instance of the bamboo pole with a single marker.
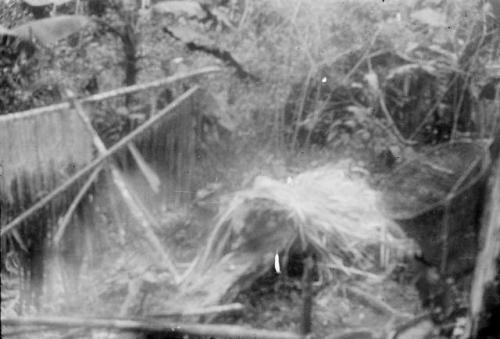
(110, 94)
(218, 331)
(150, 175)
(144, 219)
(116, 147)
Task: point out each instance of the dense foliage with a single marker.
(351, 75)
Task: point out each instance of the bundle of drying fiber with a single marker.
(324, 210)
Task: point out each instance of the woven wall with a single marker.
(48, 147)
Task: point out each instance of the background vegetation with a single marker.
(281, 50)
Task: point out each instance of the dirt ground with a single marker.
(109, 286)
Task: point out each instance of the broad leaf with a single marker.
(51, 30)
(40, 3)
(191, 9)
(430, 17)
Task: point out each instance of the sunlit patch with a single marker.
(277, 263)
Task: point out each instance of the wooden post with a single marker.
(486, 268)
(307, 295)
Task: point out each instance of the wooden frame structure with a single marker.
(10, 222)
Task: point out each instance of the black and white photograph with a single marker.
(250, 169)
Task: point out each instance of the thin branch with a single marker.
(149, 173)
(221, 54)
(298, 113)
